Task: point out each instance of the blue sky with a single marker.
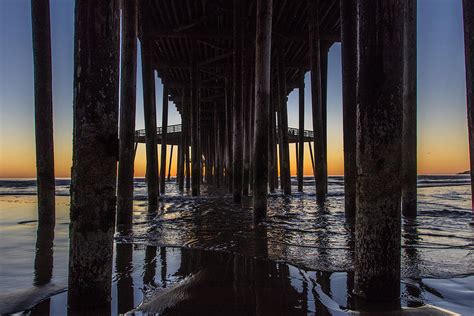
(442, 130)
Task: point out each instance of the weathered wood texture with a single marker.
(379, 150)
(262, 105)
(127, 114)
(44, 141)
(95, 153)
(468, 12)
(300, 151)
(409, 141)
(237, 141)
(195, 134)
(149, 106)
(320, 173)
(164, 132)
(349, 101)
(285, 176)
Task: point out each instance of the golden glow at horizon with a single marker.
(437, 154)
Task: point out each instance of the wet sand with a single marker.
(203, 255)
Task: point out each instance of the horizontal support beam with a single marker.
(203, 34)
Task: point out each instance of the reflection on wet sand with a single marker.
(43, 264)
(123, 270)
(297, 261)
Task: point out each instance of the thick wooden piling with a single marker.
(237, 128)
(409, 168)
(316, 101)
(301, 132)
(127, 114)
(149, 107)
(164, 133)
(468, 12)
(95, 153)
(41, 32)
(263, 45)
(285, 176)
(195, 133)
(349, 101)
(379, 151)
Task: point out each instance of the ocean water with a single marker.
(204, 254)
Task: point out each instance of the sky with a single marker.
(442, 124)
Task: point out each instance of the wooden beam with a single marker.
(316, 100)
(95, 151)
(409, 161)
(468, 13)
(301, 132)
(127, 116)
(44, 140)
(237, 102)
(262, 104)
(379, 152)
(164, 132)
(349, 102)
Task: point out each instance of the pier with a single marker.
(228, 67)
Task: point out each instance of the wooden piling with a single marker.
(44, 141)
(186, 148)
(95, 153)
(311, 155)
(149, 109)
(237, 140)
(246, 130)
(285, 176)
(164, 133)
(271, 143)
(263, 45)
(349, 101)
(181, 154)
(171, 160)
(468, 12)
(379, 151)
(409, 141)
(127, 114)
(316, 101)
(301, 131)
(229, 130)
(195, 134)
(123, 269)
(325, 45)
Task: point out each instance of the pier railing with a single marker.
(174, 131)
(177, 128)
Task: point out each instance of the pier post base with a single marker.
(127, 115)
(164, 134)
(409, 169)
(95, 151)
(349, 102)
(320, 173)
(262, 106)
(379, 151)
(300, 151)
(43, 111)
(468, 13)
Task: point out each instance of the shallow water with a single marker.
(204, 254)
